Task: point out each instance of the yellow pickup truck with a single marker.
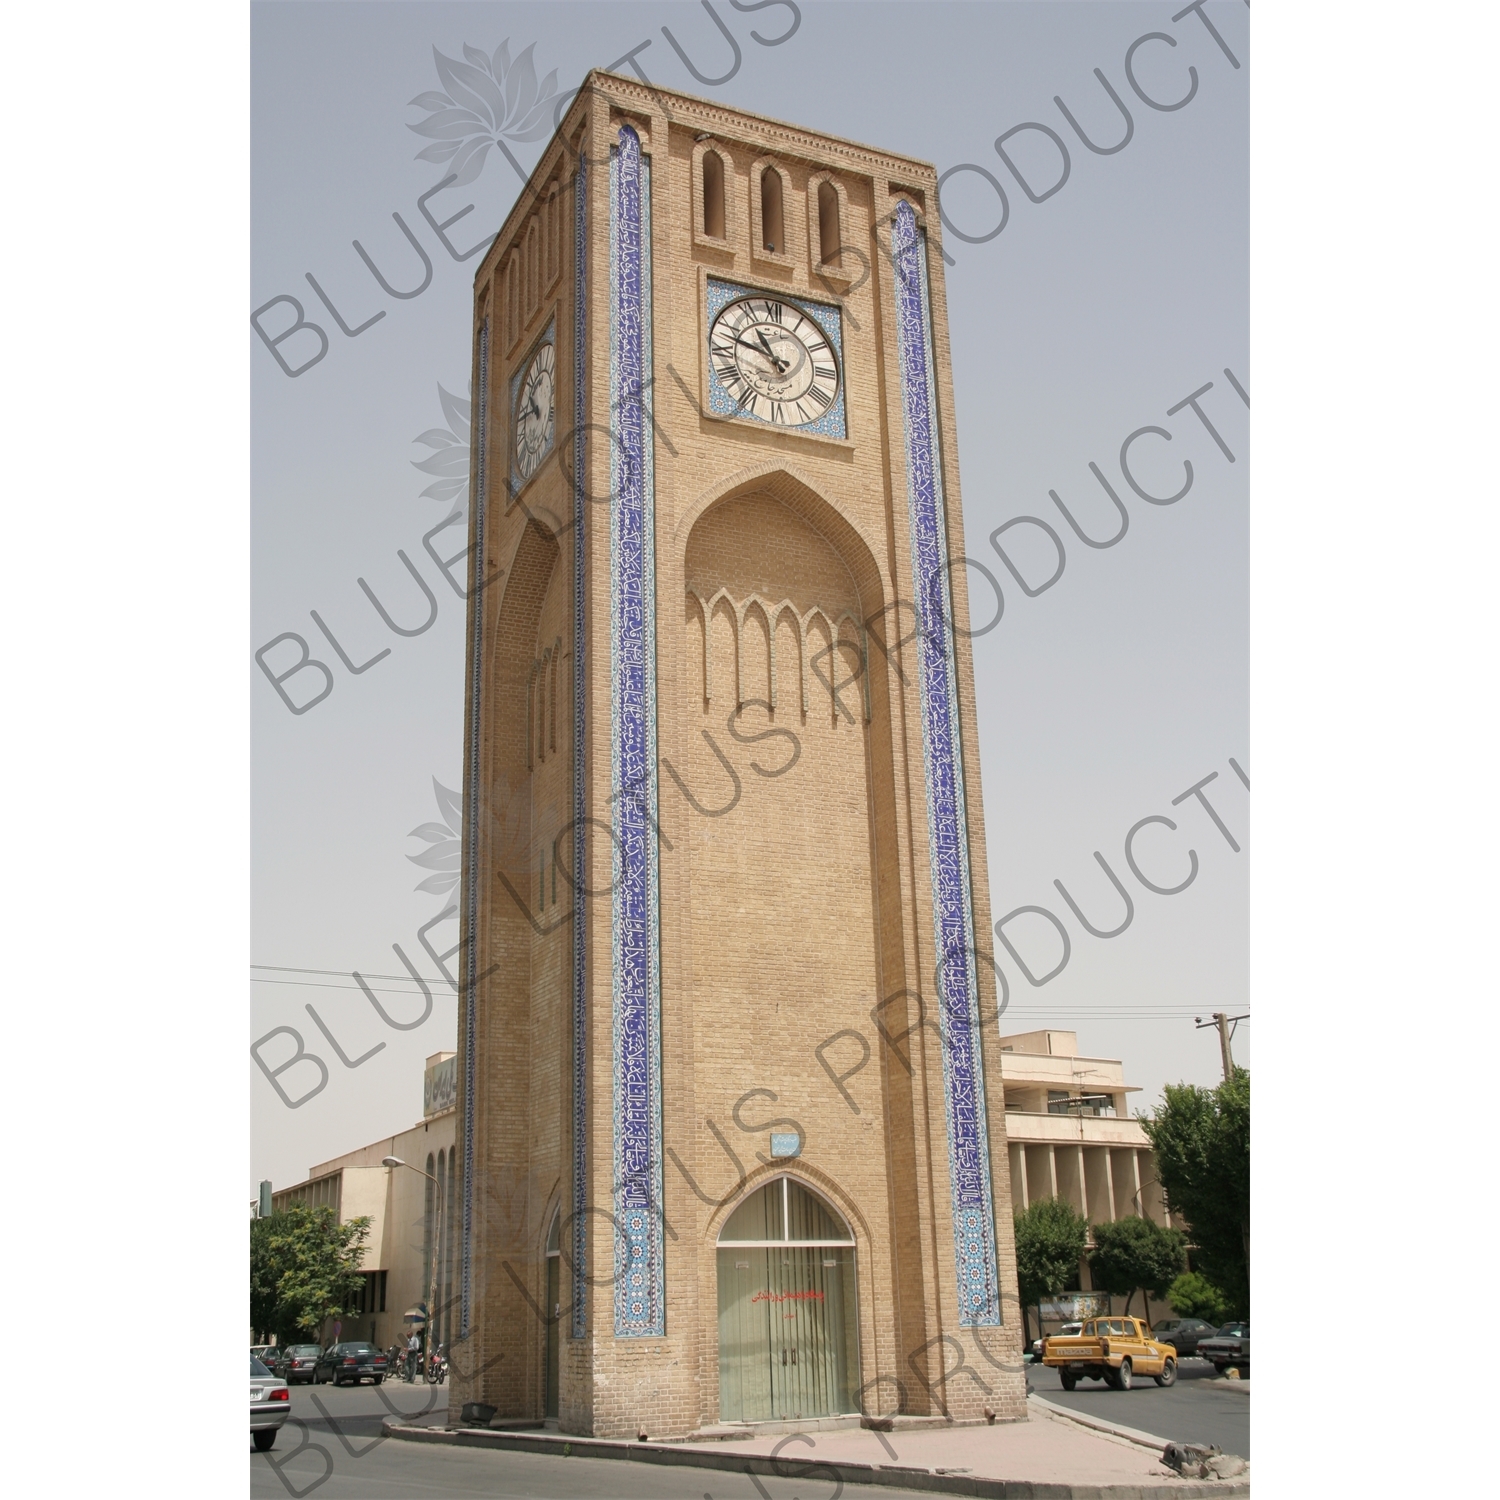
(1114, 1350)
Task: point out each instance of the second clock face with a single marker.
(774, 361)
(534, 412)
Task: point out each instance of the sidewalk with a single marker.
(1046, 1458)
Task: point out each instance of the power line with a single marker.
(334, 973)
(1125, 1010)
(378, 989)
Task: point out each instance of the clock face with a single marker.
(774, 361)
(534, 412)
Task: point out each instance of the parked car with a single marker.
(1113, 1350)
(1066, 1331)
(265, 1353)
(349, 1364)
(270, 1404)
(296, 1362)
(1182, 1334)
(1229, 1346)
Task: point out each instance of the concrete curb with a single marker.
(890, 1476)
(1101, 1424)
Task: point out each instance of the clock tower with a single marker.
(732, 1131)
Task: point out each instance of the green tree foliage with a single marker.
(1201, 1138)
(304, 1269)
(1194, 1296)
(1134, 1253)
(1050, 1240)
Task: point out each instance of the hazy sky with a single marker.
(1084, 319)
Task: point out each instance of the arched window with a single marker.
(788, 1308)
(533, 265)
(440, 1196)
(713, 194)
(785, 1212)
(552, 696)
(429, 1227)
(771, 233)
(544, 667)
(554, 1311)
(829, 238)
(513, 298)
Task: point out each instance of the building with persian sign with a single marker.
(731, 1135)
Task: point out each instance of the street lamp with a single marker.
(1135, 1197)
(437, 1244)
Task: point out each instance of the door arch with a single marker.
(554, 1312)
(788, 1308)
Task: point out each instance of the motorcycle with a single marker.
(437, 1368)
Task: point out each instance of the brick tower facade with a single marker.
(731, 1124)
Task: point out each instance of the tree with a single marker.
(304, 1269)
(1201, 1138)
(1194, 1296)
(1050, 1240)
(1133, 1253)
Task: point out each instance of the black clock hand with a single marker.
(770, 353)
(762, 354)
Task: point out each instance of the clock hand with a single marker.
(762, 354)
(770, 353)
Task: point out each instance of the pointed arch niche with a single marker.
(785, 736)
(522, 941)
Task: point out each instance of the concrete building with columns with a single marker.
(732, 1128)
(1071, 1135)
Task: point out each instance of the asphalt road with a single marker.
(332, 1447)
(1198, 1409)
(337, 1453)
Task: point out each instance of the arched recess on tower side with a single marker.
(875, 657)
(511, 654)
(505, 947)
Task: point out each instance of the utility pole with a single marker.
(1225, 1025)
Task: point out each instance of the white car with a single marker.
(270, 1405)
(1066, 1331)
